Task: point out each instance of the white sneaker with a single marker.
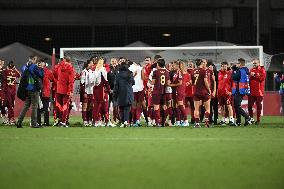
(96, 124)
(110, 124)
(100, 124)
(125, 124)
(227, 120)
(150, 122)
(63, 124)
(177, 123)
(4, 119)
(196, 125)
(86, 124)
(185, 123)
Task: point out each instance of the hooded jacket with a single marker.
(47, 78)
(64, 74)
(123, 91)
(34, 71)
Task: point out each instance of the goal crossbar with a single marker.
(260, 48)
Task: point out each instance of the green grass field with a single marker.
(244, 157)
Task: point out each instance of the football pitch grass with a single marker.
(242, 157)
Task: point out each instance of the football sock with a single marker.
(206, 115)
(157, 117)
(138, 113)
(133, 114)
(84, 115)
(197, 120)
(183, 112)
(145, 114)
(178, 114)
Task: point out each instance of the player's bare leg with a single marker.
(196, 113)
(84, 113)
(183, 114)
(169, 112)
(139, 108)
(231, 114)
(133, 113)
(157, 114)
(145, 111)
(163, 115)
(207, 112)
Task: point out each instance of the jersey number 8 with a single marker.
(163, 79)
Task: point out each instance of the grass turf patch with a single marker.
(243, 157)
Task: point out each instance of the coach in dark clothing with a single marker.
(111, 75)
(280, 79)
(123, 92)
(111, 79)
(33, 72)
(214, 100)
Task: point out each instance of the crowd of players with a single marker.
(160, 92)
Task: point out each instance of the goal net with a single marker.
(216, 54)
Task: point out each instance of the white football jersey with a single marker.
(88, 78)
(136, 69)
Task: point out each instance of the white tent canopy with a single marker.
(19, 53)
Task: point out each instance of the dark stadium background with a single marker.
(109, 23)
(74, 23)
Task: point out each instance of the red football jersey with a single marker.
(47, 78)
(55, 74)
(147, 70)
(257, 81)
(210, 80)
(161, 77)
(199, 75)
(224, 83)
(1, 77)
(176, 78)
(188, 85)
(2, 95)
(9, 79)
(185, 82)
